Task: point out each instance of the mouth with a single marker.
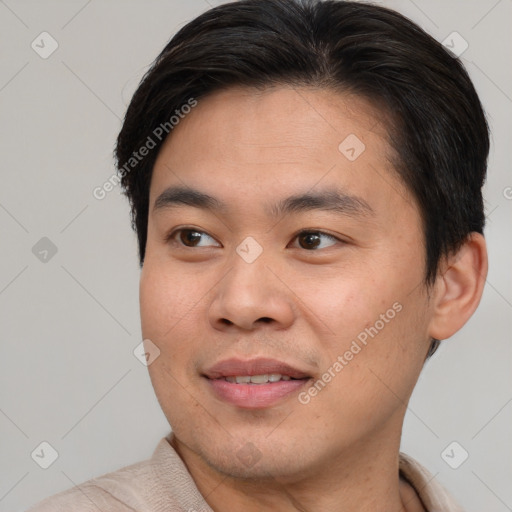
(255, 384)
(257, 379)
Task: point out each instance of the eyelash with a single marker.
(174, 233)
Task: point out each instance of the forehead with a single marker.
(241, 142)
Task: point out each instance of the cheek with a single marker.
(166, 305)
(373, 318)
(173, 308)
(371, 384)
(392, 356)
(165, 300)
(344, 301)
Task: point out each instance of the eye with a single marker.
(313, 240)
(192, 238)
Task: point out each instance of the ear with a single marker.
(458, 288)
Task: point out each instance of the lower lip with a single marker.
(255, 396)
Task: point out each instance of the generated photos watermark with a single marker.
(156, 136)
(356, 346)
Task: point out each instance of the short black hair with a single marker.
(436, 122)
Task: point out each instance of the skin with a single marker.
(203, 303)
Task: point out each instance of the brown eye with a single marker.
(189, 237)
(312, 240)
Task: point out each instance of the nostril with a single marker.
(227, 322)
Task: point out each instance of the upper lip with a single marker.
(260, 366)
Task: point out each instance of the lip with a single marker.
(259, 366)
(254, 396)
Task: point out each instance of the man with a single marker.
(305, 181)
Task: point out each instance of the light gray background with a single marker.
(69, 326)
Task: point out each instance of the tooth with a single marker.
(259, 379)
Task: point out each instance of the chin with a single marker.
(264, 469)
(254, 458)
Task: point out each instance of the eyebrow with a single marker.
(326, 200)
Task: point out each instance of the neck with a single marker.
(363, 478)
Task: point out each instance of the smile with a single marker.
(257, 379)
(254, 384)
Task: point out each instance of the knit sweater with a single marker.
(163, 484)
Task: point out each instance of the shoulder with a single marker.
(431, 493)
(83, 498)
(159, 483)
(119, 491)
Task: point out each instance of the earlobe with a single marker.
(459, 287)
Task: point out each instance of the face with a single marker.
(283, 247)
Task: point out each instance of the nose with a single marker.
(250, 295)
